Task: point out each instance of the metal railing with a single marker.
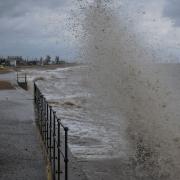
(22, 80)
(54, 135)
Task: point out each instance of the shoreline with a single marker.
(9, 69)
(51, 66)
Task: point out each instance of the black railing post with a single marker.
(59, 144)
(66, 153)
(17, 77)
(47, 126)
(50, 138)
(38, 106)
(54, 145)
(35, 93)
(41, 113)
(25, 78)
(44, 120)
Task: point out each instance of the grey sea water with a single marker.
(95, 132)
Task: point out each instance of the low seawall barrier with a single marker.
(54, 135)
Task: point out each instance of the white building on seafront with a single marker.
(12, 60)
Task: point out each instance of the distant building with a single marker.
(12, 60)
(2, 60)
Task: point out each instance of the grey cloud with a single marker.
(172, 10)
(14, 8)
(7, 7)
(34, 27)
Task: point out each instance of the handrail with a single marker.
(24, 77)
(50, 127)
(22, 80)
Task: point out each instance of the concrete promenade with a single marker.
(21, 156)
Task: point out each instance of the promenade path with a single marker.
(21, 156)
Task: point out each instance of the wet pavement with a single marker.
(21, 156)
(20, 153)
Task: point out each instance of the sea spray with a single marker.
(124, 76)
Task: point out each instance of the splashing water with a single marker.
(126, 79)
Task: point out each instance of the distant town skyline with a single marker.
(31, 58)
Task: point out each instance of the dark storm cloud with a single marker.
(172, 10)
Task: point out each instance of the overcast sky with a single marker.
(172, 10)
(157, 24)
(36, 28)
(39, 27)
